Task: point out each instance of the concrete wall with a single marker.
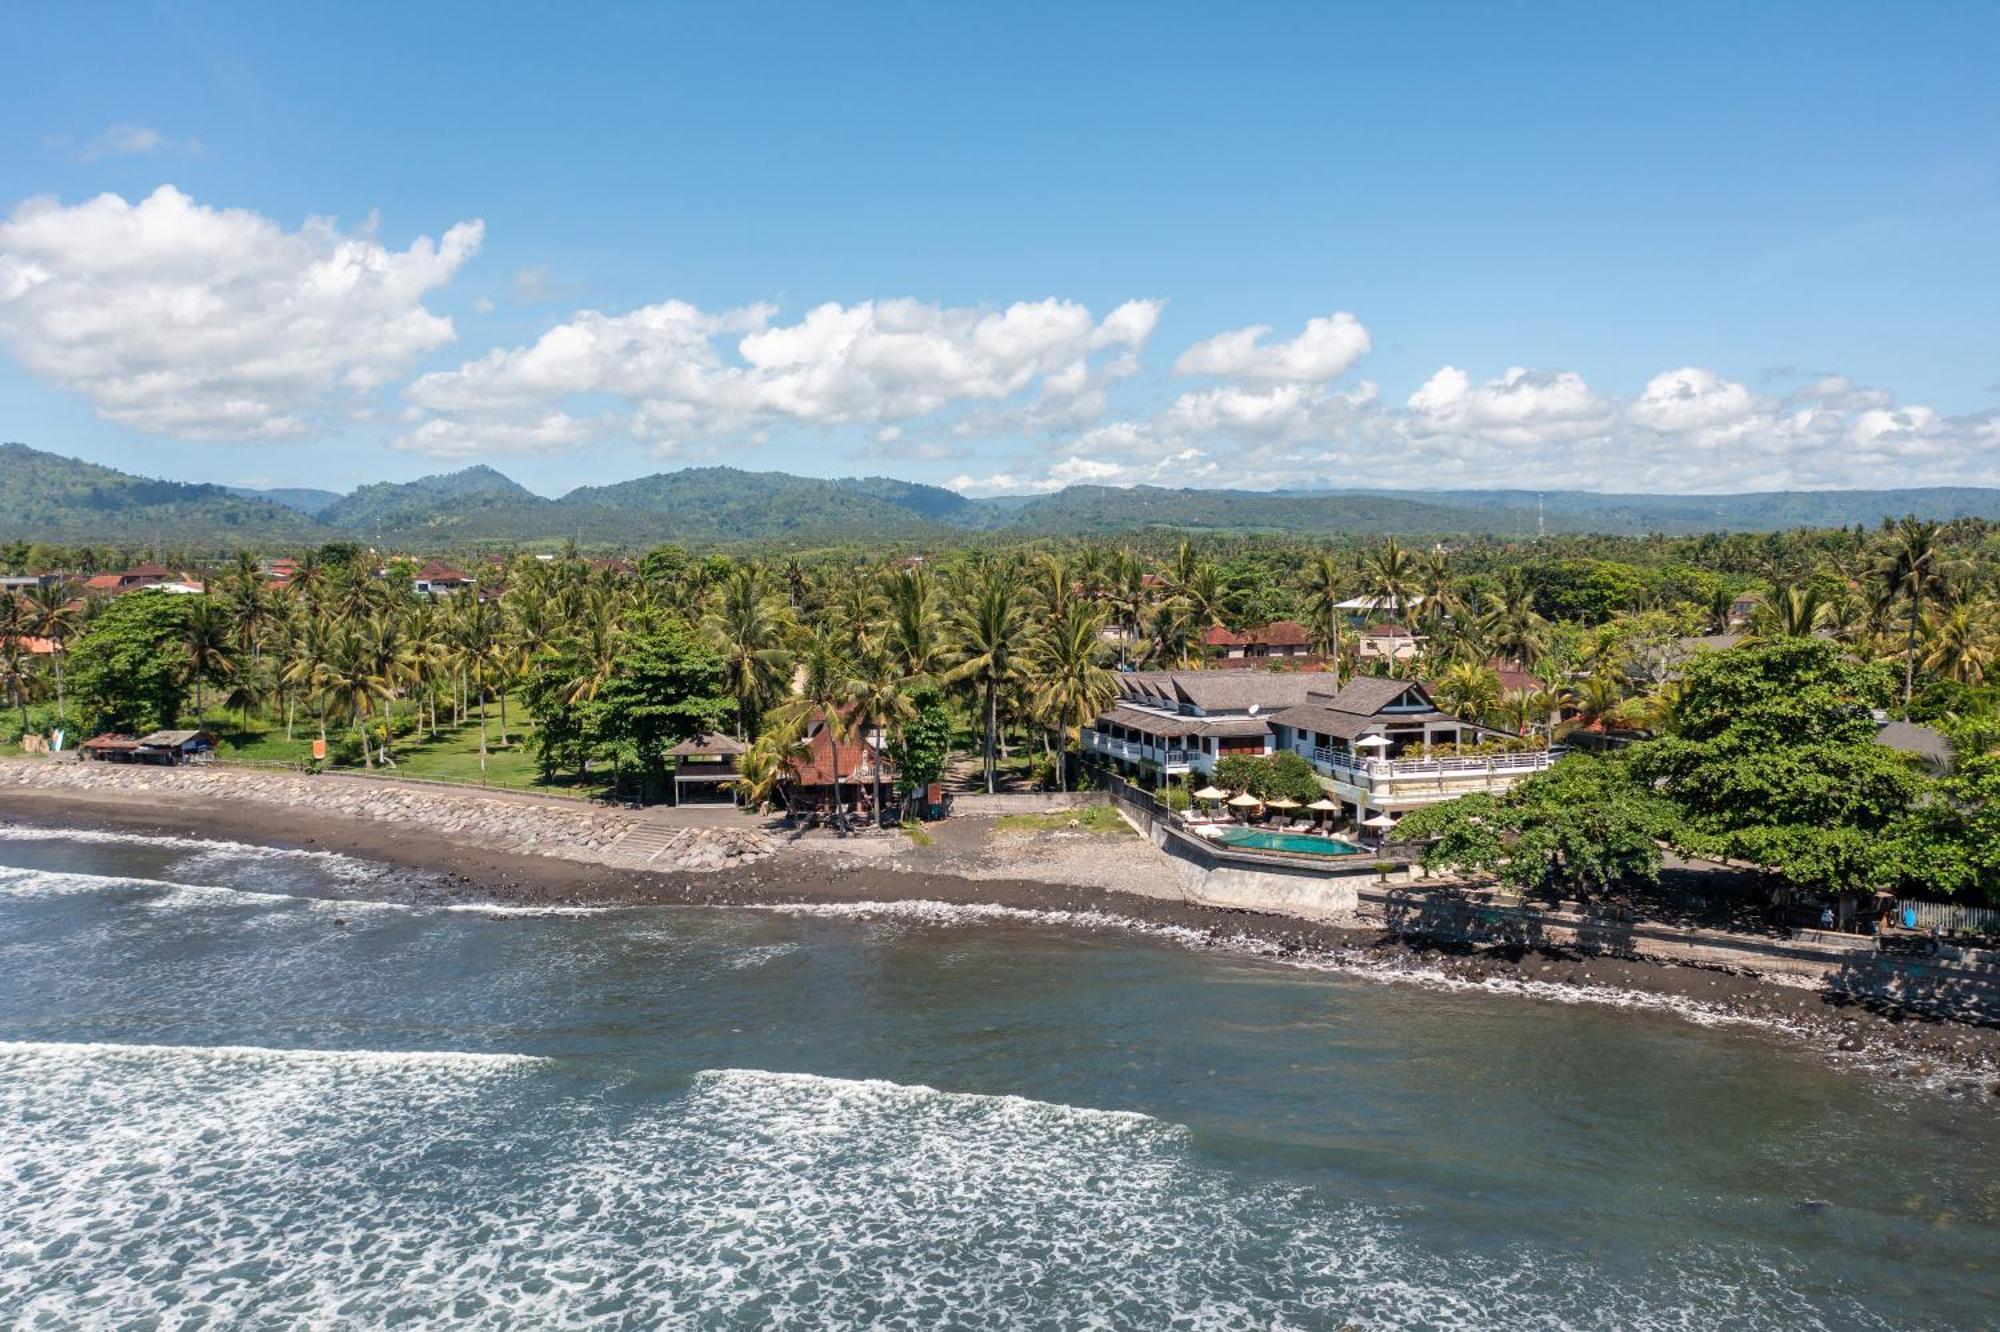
(1213, 876)
(1959, 983)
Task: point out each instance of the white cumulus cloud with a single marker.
(177, 318)
(1327, 349)
(681, 374)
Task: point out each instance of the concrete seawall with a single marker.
(1961, 984)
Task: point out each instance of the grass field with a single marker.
(1091, 818)
(452, 756)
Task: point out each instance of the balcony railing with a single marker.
(1136, 751)
(1384, 770)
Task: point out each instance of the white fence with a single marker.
(1951, 917)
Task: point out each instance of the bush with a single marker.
(1177, 798)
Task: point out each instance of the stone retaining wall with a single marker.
(515, 822)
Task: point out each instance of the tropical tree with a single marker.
(1071, 684)
(1911, 572)
(207, 632)
(750, 629)
(987, 654)
(49, 613)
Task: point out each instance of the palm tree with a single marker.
(826, 691)
(1071, 684)
(15, 672)
(309, 667)
(985, 633)
(1911, 571)
(1512, 625)
(1961, 642)
(51, 614)
(1791, 610)
(1391, 575)
(391, 661)
(879, 698)
(749, 628)
(1469, 691)
(476, 633)
(915, 633)
(1323, 582)
(205, 638)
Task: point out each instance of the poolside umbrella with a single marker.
(1379, 821)
(1323, 804)
(1373, 742)
(1244, 801)
(1283, 802)
(1210, 793)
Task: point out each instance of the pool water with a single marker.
(1261, 839)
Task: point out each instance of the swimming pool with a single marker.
(1260, 839)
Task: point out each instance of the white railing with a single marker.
(1384, 770)
(1177, 758)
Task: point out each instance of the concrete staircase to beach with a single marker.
(665, 839)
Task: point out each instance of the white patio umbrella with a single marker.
(1244, 801)
(1210, 793)
(1379, 822)
(1284, 802)
(1324, 805)
(1373, 742)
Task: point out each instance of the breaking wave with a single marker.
(150, 1185)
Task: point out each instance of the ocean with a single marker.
(243, 1088)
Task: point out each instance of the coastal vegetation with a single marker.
(1728, 688)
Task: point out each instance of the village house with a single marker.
(437, 577)
(811, 769)
(1280, 638)
(158, 748)
(139, 575)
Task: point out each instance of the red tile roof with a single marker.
(102, 583)
(437, 571)
(812, 761)
(1278, 633)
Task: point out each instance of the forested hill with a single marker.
(47, 497)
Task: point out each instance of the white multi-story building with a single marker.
(1379, 745)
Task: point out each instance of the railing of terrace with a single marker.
(1388, 769)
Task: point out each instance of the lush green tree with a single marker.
(128, 668)
(1280, 776)
(665, 686)
(923, 743)
(1583, 826)
(1771, 760)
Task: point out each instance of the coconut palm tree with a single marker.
(206, 642)
(1071, 685)
(1391, 577)
(750, 629)
(1511, 624)
(1791, 610)
(476, 634)
(826, 693)
(987, 653)
(16, 673)
(51, 613)
(1911, 572)
(1469, 691)
(1323, 582)
(1962, 641)
(879, 698)
(916, 621)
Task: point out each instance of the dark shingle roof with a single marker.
(708, 744)
(1909, 738)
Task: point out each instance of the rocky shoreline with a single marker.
(506, 857)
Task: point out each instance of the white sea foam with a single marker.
(165, 1186)
(216, 848)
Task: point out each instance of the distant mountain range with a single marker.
(48, 497)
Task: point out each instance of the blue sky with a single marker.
(1717, 247)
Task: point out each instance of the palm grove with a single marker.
(1762, 754)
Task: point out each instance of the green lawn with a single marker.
(1092, 818)
(453, 756)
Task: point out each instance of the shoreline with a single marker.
(1961, 1058)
